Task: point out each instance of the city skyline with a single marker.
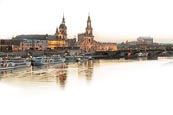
(114, 21)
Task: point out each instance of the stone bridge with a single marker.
(124, 53)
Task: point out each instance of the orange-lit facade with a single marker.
(106, 47)
(53, 44)
(87, 43)
(60, 37)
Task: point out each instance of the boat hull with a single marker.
(15, 67)
(42, 61)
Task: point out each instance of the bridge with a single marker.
(133, 53)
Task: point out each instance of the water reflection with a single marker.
(60, 74)
(86, 70)
(61, 79)
(48, 73)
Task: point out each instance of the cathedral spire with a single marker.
(89, 20)
(89, 28)
(63, 19)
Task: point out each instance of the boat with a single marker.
(90, 58)
(152, 56)
(84, 59)
(81, 58)
(140, 54)
(130, 55)
(78, 59)
(69, 59)
(56, 59)
(12, 63)
(38, 61)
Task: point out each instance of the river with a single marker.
(106, 87)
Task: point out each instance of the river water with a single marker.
(106, 87)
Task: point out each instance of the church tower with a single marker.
(86, 40)
(61, 33)
(89, 28)
(89, 38)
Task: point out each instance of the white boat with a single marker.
(90, 58)
(78, 59)
(37, 61)
(13, 63)
(142, 54)
(56, 59)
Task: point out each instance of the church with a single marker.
(86, 40)
(87, 43)
(60, 39)
(62, 32)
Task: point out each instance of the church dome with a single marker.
(62, 26)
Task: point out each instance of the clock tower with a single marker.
(89, 28)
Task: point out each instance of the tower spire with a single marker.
(89, 20)
(89, 28)
(63, 19)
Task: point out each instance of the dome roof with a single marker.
(62, 26)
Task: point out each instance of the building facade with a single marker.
(16, 45)
(55, 44)
(60, 38)
(106, 47)
(141, 43)
(61, 33)
(145, 40)
(5, 45)
(87, 43)
(28, 44)
(86, 40)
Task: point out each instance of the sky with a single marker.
(112, 20)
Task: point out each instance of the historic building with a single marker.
(60, 38)
(55, 43)
(16, 45)
(87, 43)
(106, 46)
(5, 45)
(60, 41)
(86, 40)
(141, 43)
(145, 40)
(61, 34)
(43, 42)
(28, 44)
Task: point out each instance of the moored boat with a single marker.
(13, 63)
(56, 59)
(141, 54)
(69, 59)
(38, 61)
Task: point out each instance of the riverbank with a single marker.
(97, 55)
